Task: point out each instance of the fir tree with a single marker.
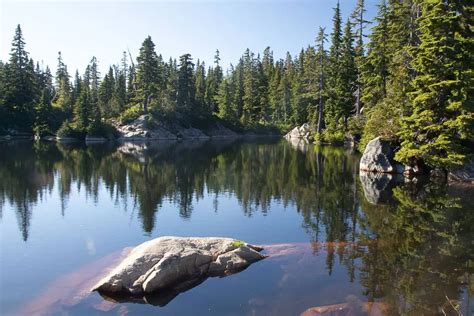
(359, 22)
(440, 129)
(200, 93)
(186, 89)
(83, 110)
(62, 98)
(42, 114)
(321, 79)
(148, 74)
(20, 90)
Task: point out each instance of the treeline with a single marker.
(409, 80)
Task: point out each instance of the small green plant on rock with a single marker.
(238, 243)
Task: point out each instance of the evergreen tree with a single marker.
(359, 22)
(186, 89)
(62, 98)
(249, 97)
(375, 70)
(321, 79)
(440, 129)
(214, 79)
(76, 88)
(42, 114)
(20, 90)
(200, 93)
(83, 110)
(348, 73)
(334, 104)
(119, 96)
(148, 74)
(106, 94)
(224, 101)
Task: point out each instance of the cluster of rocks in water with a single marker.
(378, 157)
(175, 264)
(380, 173)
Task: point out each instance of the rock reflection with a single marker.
(378, 187)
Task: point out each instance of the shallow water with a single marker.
(68, 211)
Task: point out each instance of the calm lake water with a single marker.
(66, 211)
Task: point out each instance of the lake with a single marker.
(67, 210)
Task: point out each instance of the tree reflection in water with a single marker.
(409, 245)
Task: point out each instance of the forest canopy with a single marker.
(406, 76)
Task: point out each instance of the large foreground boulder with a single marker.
(379, 157)
(170, 262)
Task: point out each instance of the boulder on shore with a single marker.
(169, 262)
(302, 131)
(379, 157)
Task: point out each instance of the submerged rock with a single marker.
(379, 157)
(168, 263)
(352, 307)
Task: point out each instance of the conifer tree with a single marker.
(83, 110)
(62, 98)
(148, 74)
(249, 88)
(359, 22)
(321, 79)
(42, 114)
(224, 101)
(200, 93)
(106, 94)
(186, 89)
(375, 69)
(334, 105)
(20, 89)
(439, 130)
(348, 73)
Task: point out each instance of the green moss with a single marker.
(238, 243)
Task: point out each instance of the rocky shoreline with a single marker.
(146, 128)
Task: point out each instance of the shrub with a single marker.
(66, 130)
(383, 120)
(102, 129)
(333, 137)
(131, 114)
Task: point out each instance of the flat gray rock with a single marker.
(168, 262)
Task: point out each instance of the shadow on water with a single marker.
(407, 246)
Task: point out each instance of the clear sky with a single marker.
(105, 28)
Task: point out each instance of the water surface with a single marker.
(66, 211)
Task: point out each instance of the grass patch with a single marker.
(238, 243)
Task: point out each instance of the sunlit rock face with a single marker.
(378, 157)
(299, 132)
(175, 262)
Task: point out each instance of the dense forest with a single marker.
(407, 76)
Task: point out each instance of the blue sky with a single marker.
(105, 28)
